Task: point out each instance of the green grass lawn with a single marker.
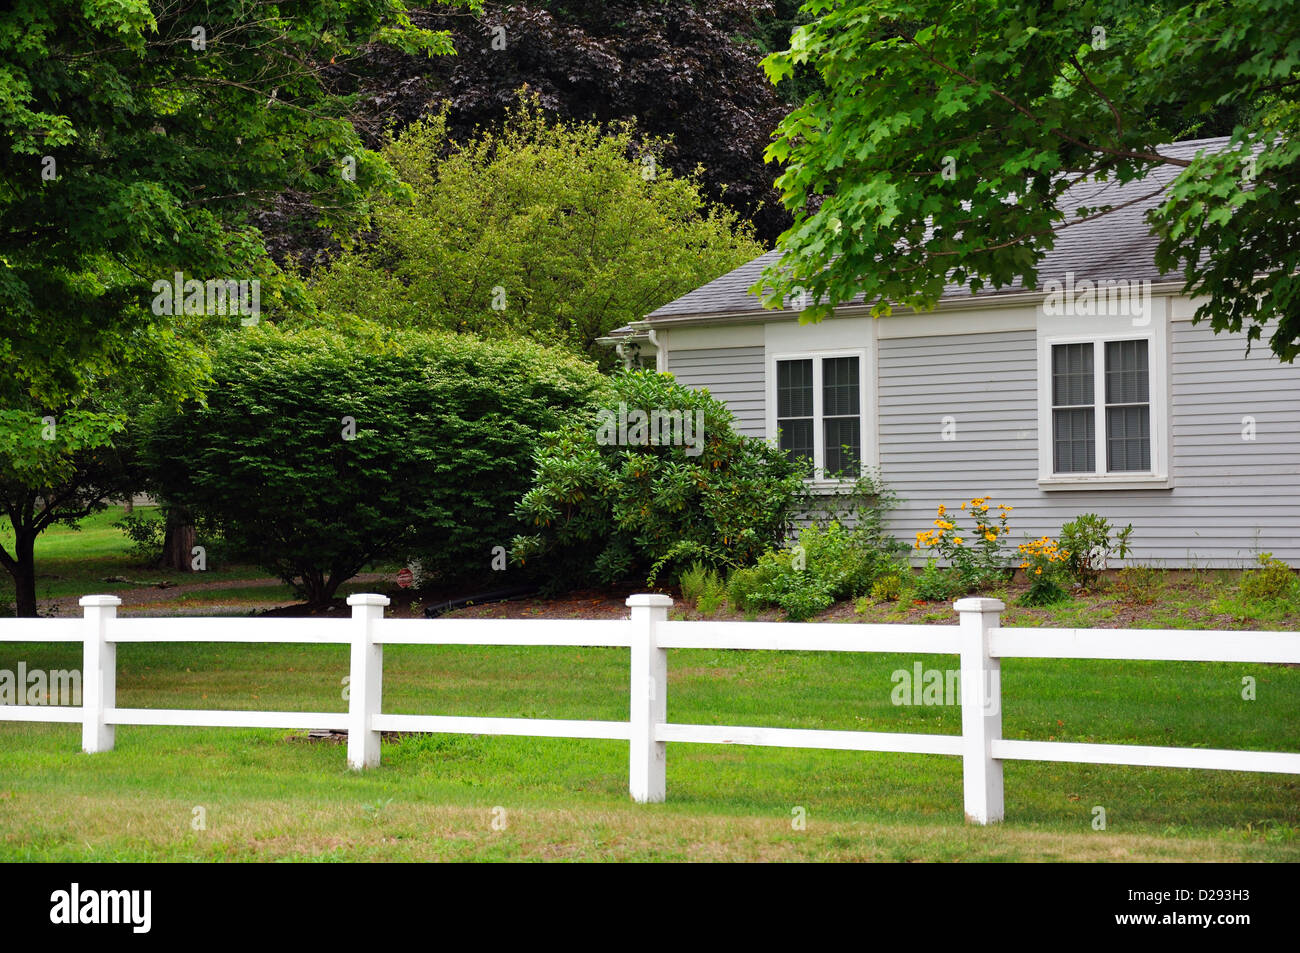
(273, 795)
(268, 794)
(76, 561)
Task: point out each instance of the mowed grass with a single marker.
(272, 795)
(76, 561)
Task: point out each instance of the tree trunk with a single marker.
(128, 507)
(178, 540)
(24, 574)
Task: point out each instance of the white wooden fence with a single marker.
(977, 639)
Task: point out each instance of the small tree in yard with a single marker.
(318, 454)
(613, 499)
(556, 231)
(54, 470)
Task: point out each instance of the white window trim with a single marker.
(1085, 330)
(866, 408)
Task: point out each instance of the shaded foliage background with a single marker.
(685, 69)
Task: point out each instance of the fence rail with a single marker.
(978, 639)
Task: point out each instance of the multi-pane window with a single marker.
(819, 413)
(1106, 381)
(841, 415)
(794, 409)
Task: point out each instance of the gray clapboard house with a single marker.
(1093, 392)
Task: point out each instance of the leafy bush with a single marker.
(1043, 562)
(1088, 541)
(146, 536)
(748, 588)
(1274, 581)
(1139, 585)
(830, 562)
(320, 454)
(778, 581)
(887, 588)
(936, 584)
(607, 503)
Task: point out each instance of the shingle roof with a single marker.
(1118, 245)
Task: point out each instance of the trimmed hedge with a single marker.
(318, 454)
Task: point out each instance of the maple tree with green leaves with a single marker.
(139, 138)
(1023, 100)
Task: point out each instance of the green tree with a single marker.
(559, 231)
(317, 453)
(1019, 101)
(138, 139)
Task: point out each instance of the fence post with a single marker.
(98, 673)
(981, 712)
(648, 761)
(365, 687)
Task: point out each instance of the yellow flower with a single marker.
(942, 509)
(991, 537)
(957, 540)
(1038, 572)
(944, 524)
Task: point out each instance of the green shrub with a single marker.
(321, 454)
(802, 597)
(1274, 581)
(606, 504)
(747, 588)
(146, 535)
(776, 582)
(887, 588)
(934, 583)
(1089, 546)
(704, 588)
(831, 560)
(1138, 585)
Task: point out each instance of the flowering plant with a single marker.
(1042, 560)
(977, 556)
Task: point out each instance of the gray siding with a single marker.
(1231, 498)
(734, 375)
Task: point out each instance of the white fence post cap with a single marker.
(979, 605)
(89, 601)
(643, 599)
(367, 599)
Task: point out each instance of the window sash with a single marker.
(818, 434)
(1108, 391)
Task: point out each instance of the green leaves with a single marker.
(605, 507)
(317, 453)
(41, 452)
(130, 154)
(933, 116)
(560, 232)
